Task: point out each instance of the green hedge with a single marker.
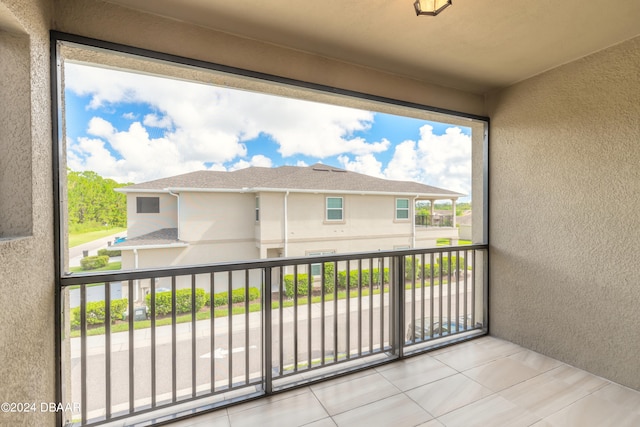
(94, 262)
(303, 285)
(408, 267)
(237, 295)
(353, 278)
(96, 312)
(183, 301)
(109, 253)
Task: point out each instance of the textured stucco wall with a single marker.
(27, 357)
(565, 179)
(15, 161)
(114, 23)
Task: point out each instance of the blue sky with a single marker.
(134, 128)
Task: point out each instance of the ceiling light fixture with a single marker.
(430, 7)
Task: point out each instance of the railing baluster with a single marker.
(457, 276)
(322, 316)
(246, 327)
(107, 349)
(153, 342)
(441, 293)
(295, 318)
(422, 299)
(193, 337)
(359, 308)
(280, 325)
(130, 285)
(431, 296)
(212, 331)
(83, 352)
(413, 294)
(381, 279)
(370, 305)
(335, 311)
(348, 315)
(309, 314)
(466, 313)
(267, 332)
(229, 331)
(174, 337)
(473, 289)
(449, 294)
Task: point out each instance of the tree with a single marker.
(93, 201)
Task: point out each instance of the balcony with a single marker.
(290, 324)
(436, 220)
(381, 338)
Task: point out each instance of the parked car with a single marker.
(424, 325)
(118, 239)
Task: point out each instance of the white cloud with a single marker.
(257, 160)
(130, 116)
(366, 164)
(208, 124)
(152, 120)
(439, 160)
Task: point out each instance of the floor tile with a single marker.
(414, 372)
(432, 423)
(397, 411)
(325, 422)
(448, 394)
(343, 396)
(479, 353)
(501, 373)
(292, 411)
(593, 411)
(543, 395)
(577, 378)
(623, 396)
(535, 360)
(215, 419)
(266, 400)
(493, 411)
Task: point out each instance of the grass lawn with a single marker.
(76, 239)
(117, 265)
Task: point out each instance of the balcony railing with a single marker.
(208, 336)
(434, 221)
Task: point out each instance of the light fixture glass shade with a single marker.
(430, 7)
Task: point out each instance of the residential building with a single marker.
(559, 84)
(253, 213)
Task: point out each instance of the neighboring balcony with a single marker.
(434, 220)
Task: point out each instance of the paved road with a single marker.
(75, 253)
(233, 365)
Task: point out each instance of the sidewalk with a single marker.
(142, 337)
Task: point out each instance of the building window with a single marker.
(402, 208)
(147, 204)
(335, 209)
(257, 208)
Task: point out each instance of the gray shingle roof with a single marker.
(317, 177)
(164, 236)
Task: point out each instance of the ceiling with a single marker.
(474, 45)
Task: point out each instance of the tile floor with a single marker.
(484, 382)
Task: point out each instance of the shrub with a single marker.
(237, 295)
(353, 279)
(289, 285)
(94, 262)
(183, 301)
(96, 312)
(109, 253)
(328, 280)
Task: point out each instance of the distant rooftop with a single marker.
(318, 177)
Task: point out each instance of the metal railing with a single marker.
(434, 221)
(207, 336)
